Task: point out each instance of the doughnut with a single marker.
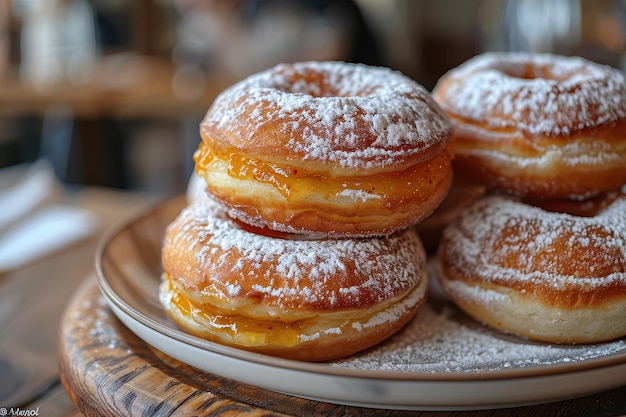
(537, 125)
(287, 295)
(462, 192)
(543, 275)
(326, 148)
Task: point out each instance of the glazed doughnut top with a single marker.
(539, 94)
(342, 115)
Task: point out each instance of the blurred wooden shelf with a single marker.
(121, 86)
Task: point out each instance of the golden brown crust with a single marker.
(589, 163)
(286, 295)
(307, 340)
(324, 204)
(330, 149)
(537, 125)
(329, 114)
(544, 275)
(513, 312)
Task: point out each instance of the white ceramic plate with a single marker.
(440, 361)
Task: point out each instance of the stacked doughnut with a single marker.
(543, 255)
(298, 241)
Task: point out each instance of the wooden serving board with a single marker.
(108, 371)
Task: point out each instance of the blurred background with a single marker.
(111, 92)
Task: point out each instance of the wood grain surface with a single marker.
(108, 371)
(34, 295)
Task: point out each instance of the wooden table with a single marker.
(33, 298)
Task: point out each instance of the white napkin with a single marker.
(33, 219)
(24, 188)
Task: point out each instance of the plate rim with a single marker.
(418, 400)
(532, 371)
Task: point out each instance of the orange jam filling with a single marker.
(391, 189)
(242, 330)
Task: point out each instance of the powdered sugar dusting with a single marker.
(441, 339)
(359, 195)
(501, 240)
(388, 315)
(438, 341)
(349, 114)
(535, 93)
(305, 272)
